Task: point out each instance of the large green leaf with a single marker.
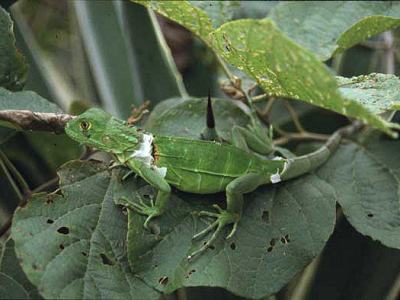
(366, 181)
(187, 117)
(26, 100)
(194, 19)
(378, 92)
(279, 65)
(330, 27)
(12, 63)
(218, 11)
(282, 68)
(72, 245)
(14, 283)
(282, 229)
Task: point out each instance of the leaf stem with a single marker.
(24, 185)
(289, 136)
(305, 281)
(232, 78)
(46, 185)
(260, 98)
(11, 180)
(6, 226)
(294, 116)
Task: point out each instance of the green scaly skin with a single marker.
(194, 166)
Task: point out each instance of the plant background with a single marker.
(63, 68)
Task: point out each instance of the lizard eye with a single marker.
(85, 125)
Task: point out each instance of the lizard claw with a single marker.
(223, 218)
(151, 211)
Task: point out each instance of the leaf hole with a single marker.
(270, 249)
(211, 247)
(63, 230)
(370, 215)
(192, 271)
(146, 196)
(84, 253)
(265, 216)
(106, 260)
(163, 280)
(50, 221)
(34, 266)
(61, 246)
(272, 242)
(233, 246)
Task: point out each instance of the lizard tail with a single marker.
(309, 162)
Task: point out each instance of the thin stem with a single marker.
(294, 116)
(304, 283)
(394, 291)
(289, 136)
(260, 98)
(6, 226)
(337, 63)
(45, 185)
(226, 70)
(389, 53)
(11, 180)
(24, 185)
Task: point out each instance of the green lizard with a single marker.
(196, 166)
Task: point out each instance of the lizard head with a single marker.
(97, 128)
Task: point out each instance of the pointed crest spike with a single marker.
(210, 113)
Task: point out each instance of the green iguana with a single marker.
(196, 166)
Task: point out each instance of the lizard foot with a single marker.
(223, 218)
(150, 211)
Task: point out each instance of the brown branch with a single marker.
(28, 120)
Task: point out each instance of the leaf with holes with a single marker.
(282, 229)
(14, 283)
(284, 69)
(12, 64)
(279, 65)
(367, 183)
(73, 245)
(341, 24)
(186, 117)
(378, 92)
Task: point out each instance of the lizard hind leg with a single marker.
(234, 197)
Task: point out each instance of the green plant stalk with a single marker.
(11, 181)
(24, 185)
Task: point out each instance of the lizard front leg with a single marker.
(153, 178)
(234, 198)
(256, 138)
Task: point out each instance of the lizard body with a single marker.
(195, 166)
